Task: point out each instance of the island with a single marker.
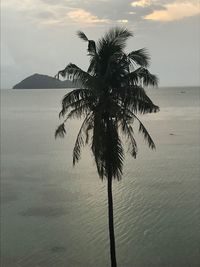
(41, 81)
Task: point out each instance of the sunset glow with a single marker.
(83, 16)
(37, 29)
(141, 3)
(174, 11)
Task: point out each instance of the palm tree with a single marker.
(108, 100)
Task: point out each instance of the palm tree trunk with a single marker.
(111, 223)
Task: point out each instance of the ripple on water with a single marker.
(45, 211)
(57, 249)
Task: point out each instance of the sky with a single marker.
(39, 36)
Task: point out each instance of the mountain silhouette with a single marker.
(40, 81)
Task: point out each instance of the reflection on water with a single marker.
(56, 215)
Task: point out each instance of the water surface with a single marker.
(54, 215)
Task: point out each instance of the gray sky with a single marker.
(39, 36)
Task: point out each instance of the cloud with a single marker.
(174, 11)
(49, 41)
(20, 5)
(93, 12)
(56, 12)
(141, 3)
(122, 21)
(82, 16)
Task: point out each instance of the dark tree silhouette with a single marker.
(108, 100)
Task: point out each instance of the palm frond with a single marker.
(145, 133)
(79, 112)
(92, 67)
(127, 130)
(147, 77)
(112, 44)
(135, 98)
(76, 95)
(82, 138)
(142, 76)
(140, 57)
(74, 99)
(76, 106)
(60, 131)
(91, 43)
(82, 36)
(132, 78)
(91, 48)
(118, 35)
(77, 75)
(60, 73)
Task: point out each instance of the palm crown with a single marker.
(109, 98)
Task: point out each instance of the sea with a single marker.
(55, 215)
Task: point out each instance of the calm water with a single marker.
(54, 215)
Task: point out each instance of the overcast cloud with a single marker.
(39, 36)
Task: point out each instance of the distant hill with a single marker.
(40, 81)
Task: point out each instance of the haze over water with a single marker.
(54, 215)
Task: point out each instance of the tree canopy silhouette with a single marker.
(110, 97)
